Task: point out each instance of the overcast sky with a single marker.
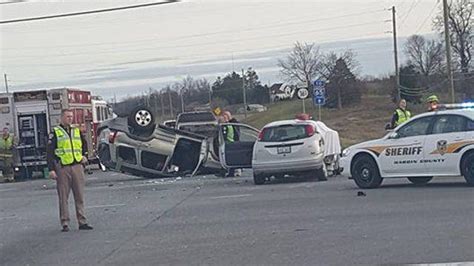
(114, 50)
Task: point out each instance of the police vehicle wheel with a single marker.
(366, 173)
(258, 179)
(467, 168)
(141, 119)
(420, 180)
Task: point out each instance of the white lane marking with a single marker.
(105, 206)
(303, 185)
(7, 189)
(232, 196)
(445, 263)
(9, 217)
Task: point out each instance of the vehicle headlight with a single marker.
(346, 152)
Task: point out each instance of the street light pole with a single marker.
(245, 94)
(182, 101)
(395, 51)
(448, 50)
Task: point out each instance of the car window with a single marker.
(416, 127)
(284, 133)
(449, 124)
(245, 133)
(196, 117)
(470, 125)
(240, 133)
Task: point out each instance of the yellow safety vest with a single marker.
(402, 116)
(6, 146)
(68, 149)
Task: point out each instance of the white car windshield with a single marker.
(284, 133)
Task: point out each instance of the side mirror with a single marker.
(394, 135)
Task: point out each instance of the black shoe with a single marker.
(65, 228)
(85, 227)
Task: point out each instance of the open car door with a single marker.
(236, 151)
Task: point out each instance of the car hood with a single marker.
(370, 143)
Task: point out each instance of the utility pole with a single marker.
(182, 101)
(171, 104)
(448, 50)
(245, 94)
(6, 82)
(395, 51)
(162, 106)
(210, 98)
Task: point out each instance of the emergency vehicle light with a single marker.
(458, 106)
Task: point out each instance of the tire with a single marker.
(467, 168)
(141, 119)
(321, 174)
(365, 172)
(258, 179)
(420, 180)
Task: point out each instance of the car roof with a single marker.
(469, 112)
(288, 122)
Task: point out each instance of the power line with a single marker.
(212, 42)
(273, 25)
(426, 19)
(88, 12)
(412, 6)
(198, 56)
(12, 2)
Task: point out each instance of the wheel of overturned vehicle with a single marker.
(420, 180)
(141, 119)
(467, 168)
(258, 179)
(365, 172)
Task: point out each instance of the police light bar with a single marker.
(457, 106)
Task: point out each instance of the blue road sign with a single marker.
(319, 99)
(319, 91)
(319, 83)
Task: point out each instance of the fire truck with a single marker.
(101, 112)
(31, 115)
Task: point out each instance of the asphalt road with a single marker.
(207, 220)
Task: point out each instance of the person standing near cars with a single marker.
(401, 114)
(433, 102)
(235, 137)
(66, 154)
(6, 154)
(229, 135)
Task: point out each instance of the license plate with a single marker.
(286, 149)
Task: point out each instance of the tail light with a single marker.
(260, 135)
(112, 136)
(309, 130)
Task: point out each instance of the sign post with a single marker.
(303, 94)
(319, 95)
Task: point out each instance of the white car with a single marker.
(294, 147)
(432, 144)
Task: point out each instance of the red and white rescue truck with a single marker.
(31, 115)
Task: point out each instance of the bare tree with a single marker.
(328, 63)
(302, 63)
(460, 23)
(427, 56)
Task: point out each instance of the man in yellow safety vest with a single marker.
(67, 152)
(6, 155)
(401, 114)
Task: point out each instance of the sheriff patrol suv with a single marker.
(437, 143)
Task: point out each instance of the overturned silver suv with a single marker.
(138, 145)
